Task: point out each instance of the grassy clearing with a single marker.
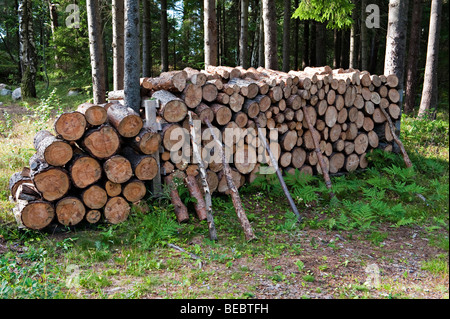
(377, 217)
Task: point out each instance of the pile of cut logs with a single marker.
(100, 156)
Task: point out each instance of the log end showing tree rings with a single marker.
(392, 80)
(102, 142)
(245, 159)
(53, 183)
(265, 102)
(71, 126)
(209, 92)
(130, 126)
(37, 215)
(331, 116)
(192, 95)
(94, 197)
(147, 169)
(298, 157)
(222, 114)
(352, 162)
(173, 109)
(337, 161)
(118, 169)
(58, 153)
(116, 210)
(211, 179)
(70, 211)
(149, 142)
(134, 190)
(113, 189)
(85, 171)
(95, 114)
(373, 139)
(93, 216)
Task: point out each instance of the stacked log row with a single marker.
(343, 105)
(95, 163)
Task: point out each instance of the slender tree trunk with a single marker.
(27, 49)
(210, 30)
(321, 46)
(430, 83)
(270, 35)
(413, 57)
(296, 48)
(345, 49)
(261, 40)
(305, 59)
(312, 43)
(132, 96)
(220, 34)
(353, 39)
(286, 35)
(104, 19)
(164, 38)
(96, 51)
(243, 39)
(337, 48)
(146, 39)
(374, 52)
(117, 43)
(53, 26)
(364, 37)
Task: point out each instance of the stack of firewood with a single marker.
(103, 153)
(95, 164)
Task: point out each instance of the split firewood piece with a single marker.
(144, 167)
(118, 169)
(70, 211)
(203, 176)
(116, 210)
(174, 81)
(70, 126)
(316, 142)
(125, 120)
(84, 170)
(180, 209)
(406, 159)
(173, 109)
(134, 190)
(34, 214)
(94, 197)
(249, 235)
(93, 216)
(95, 114)
(146, 142)
(102, 142)
(54, 151)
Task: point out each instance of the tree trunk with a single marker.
(296, 47)
(321, 46)
(286, 35)
(132, 95)
(164, 38)
(353, 39)
(261, 49)
(96, 51)
(146, 39)
(117, 43)
(243, 39)
(210, 32)
(305, 58)
(337, 49)
(54, 25)
(364, 37)
(28, 58)
(270, 35)
(413, 57)
(430, 83)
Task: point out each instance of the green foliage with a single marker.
(337, 14)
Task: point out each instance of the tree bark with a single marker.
(305, 58)
(164, 38)
(147, 39)
(413, 57)
(210, 32)
(243, 39)
(132, 95)
(96, 51)
(28, 57)
(270, 35)
(364, 37)
(353, 39)
(286, 35)
(430, 83)
(321, 46)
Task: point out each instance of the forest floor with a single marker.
(321, 258)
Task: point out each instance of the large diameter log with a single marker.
(101, 142)
(192, 95)
(251, 108)
(351, 162)
(298, 157)
(125, 120)
(265, 102)
(70, 126)
(54, 151)
(118, 169)
(144, 167)
(172, 109)
(116, 210)
(146, 142)
(194, 191)
(236, 102)
(337, 161)
(94, 197)
(180, 209)
(95, 114)
(84, 170)
(134, 190)
(52, 182)
(222, 113)
(34, 214)
(245, 158)
(70, 211)
(361, 143)
(209, 92)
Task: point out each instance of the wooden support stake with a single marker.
(249, 235)
(322, 164)
(201, 166)
(396, 139)
(274, 162)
